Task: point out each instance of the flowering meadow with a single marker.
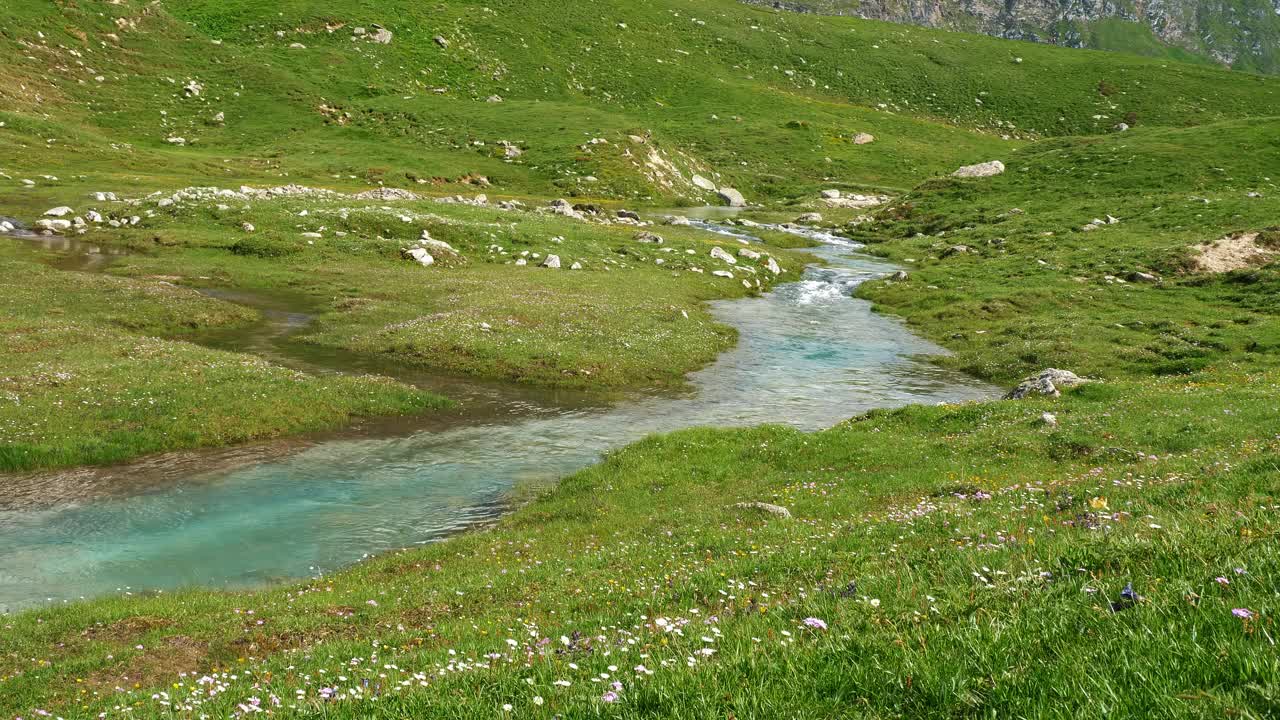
(940, 561)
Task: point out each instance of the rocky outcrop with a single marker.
(1243, 34)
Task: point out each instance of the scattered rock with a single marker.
(900, 276)
(863, 139)
(1047, 382)
(956, 250)
(749, 254)
(775, 510)
(628, 215)
(809, 218)
(648, 237)
(1049, 420)
(773, 267)
(441, 41)
(986, 169)
(723, 274)
(382, 36)
(1121, 127)
(576, 266)
(552, 261)
(831, 194)
(247, 227)
(59, 211)
(678, 220)
(1144, 277)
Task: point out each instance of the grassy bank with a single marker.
(94, 371)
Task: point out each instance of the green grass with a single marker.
(966, 561)
(86, 377)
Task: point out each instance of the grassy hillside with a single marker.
(1108, 553)
(763, 101)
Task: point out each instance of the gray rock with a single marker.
(955, 250)
(986, 169)
(831, 194)
(382, 36)
(809, 218)
(678, 220)
(552, 261)
(900, 276)
(774, 510)
(863, 139)
(748, 254)
(60, 211)
(441, 41)
(1144, 277)
(1047, 382)
(628, 215)
(648, 237)
(772, 265)
(723, 274)
(1049, 420)
(731, 197)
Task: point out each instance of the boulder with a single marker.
(809, 218)
(986, 169)
(831, 194)
(552, 261)
(60, 211)
(863, 139)
(420, 256)
(723, 274)
(731, 197)
(382, 36)
(900, 276)
(1047, 382)
(678, 220)
(748, 254)
(441, 41)
(774, 510)
(955, 250)
(704, 183)
(648, 237)
(628, 215)
(772, 265)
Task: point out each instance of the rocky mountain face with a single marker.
(1242, 34)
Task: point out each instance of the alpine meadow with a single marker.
(676, 359)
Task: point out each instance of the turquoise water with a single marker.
(809, 356)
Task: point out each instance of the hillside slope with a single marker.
(769, 103)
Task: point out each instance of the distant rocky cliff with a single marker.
(1244, 34)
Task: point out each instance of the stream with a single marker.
(809, 355)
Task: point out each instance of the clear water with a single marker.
(809, 356)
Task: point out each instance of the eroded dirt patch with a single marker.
(1233, 252)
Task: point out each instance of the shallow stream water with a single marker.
(809, 356)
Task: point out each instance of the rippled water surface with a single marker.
(809, 355)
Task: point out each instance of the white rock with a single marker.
(552, 261)
(723, 274)
(772, 265)
(749, 254)
(59, 211)
(420, 256)
(719, 254)
(247, 227)
(576, 266)
(986, 169)
(831, 194)
(863, 139)
(704, 183)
